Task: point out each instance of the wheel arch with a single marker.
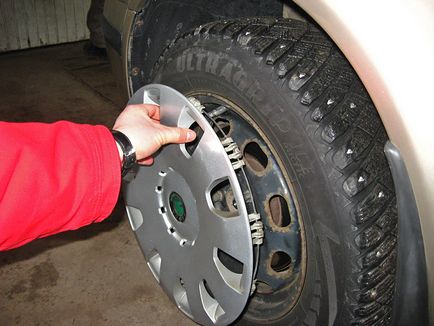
(157, 23)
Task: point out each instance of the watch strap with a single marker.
(129, 154)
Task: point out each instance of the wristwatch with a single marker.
(129, 154)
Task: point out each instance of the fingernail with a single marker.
(190, 135)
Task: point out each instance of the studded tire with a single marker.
(303, 95)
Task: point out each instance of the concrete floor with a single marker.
(96, 275)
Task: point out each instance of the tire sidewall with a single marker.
(218, 65)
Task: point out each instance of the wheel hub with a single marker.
(194, 215)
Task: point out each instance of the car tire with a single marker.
(302, 95)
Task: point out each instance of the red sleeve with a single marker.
(53, 178)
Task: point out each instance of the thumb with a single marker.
(177, 135)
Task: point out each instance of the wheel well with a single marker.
(158, 23)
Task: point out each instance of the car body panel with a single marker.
(117, 14)
(390, 44)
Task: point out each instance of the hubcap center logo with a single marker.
(177, 206)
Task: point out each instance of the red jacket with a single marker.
(53, 178)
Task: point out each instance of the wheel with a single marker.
(313, 146)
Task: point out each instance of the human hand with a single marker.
(141, 124)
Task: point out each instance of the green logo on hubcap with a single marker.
(177, 206)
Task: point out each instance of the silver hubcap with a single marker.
(200, 253)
